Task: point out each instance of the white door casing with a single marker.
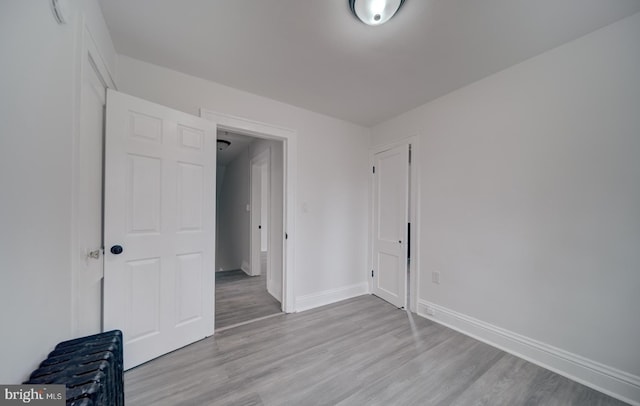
(160, 176)
(87, 233)
(89, 209)
(390, 219)
(290, 167)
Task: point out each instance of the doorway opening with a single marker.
(249, 228)
(285, 234)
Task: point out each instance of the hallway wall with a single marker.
(232, 247)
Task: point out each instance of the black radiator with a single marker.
(90, 367)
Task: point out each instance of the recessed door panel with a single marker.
(389, 278)
(390, 197)
(190, 194)
(144, 299)
(190, 138)
(188, 285)
(144, 194)
(145, 128)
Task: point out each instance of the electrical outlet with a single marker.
(430, 311)
(435, 277)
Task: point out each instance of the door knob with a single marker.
(116, 250)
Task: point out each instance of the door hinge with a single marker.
(409, 153)
(408, 241)
(372, 273)
(95, 254)
(286, 236)
(374, 169)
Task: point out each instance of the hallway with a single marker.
(240, 298)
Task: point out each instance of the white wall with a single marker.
(331, 180)
(530, 199)
(232, 215)
(36, 143)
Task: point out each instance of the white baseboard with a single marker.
(614, 382)
(326, 297)
(246, 268)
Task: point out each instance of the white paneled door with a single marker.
(159, 226)
(391, 215)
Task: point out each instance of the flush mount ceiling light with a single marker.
(223, 144)
(375, 12)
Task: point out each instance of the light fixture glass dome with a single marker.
(223, 144)
(375, 12)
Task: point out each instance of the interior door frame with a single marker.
(261, 160)
(227, 122)
(414, 217)
(87, 54)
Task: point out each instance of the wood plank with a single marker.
(355, 352)
(240, 298)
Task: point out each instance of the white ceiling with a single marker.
(239, 143)
(314, 54)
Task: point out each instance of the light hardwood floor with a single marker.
(361, 351)
(240, 298)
